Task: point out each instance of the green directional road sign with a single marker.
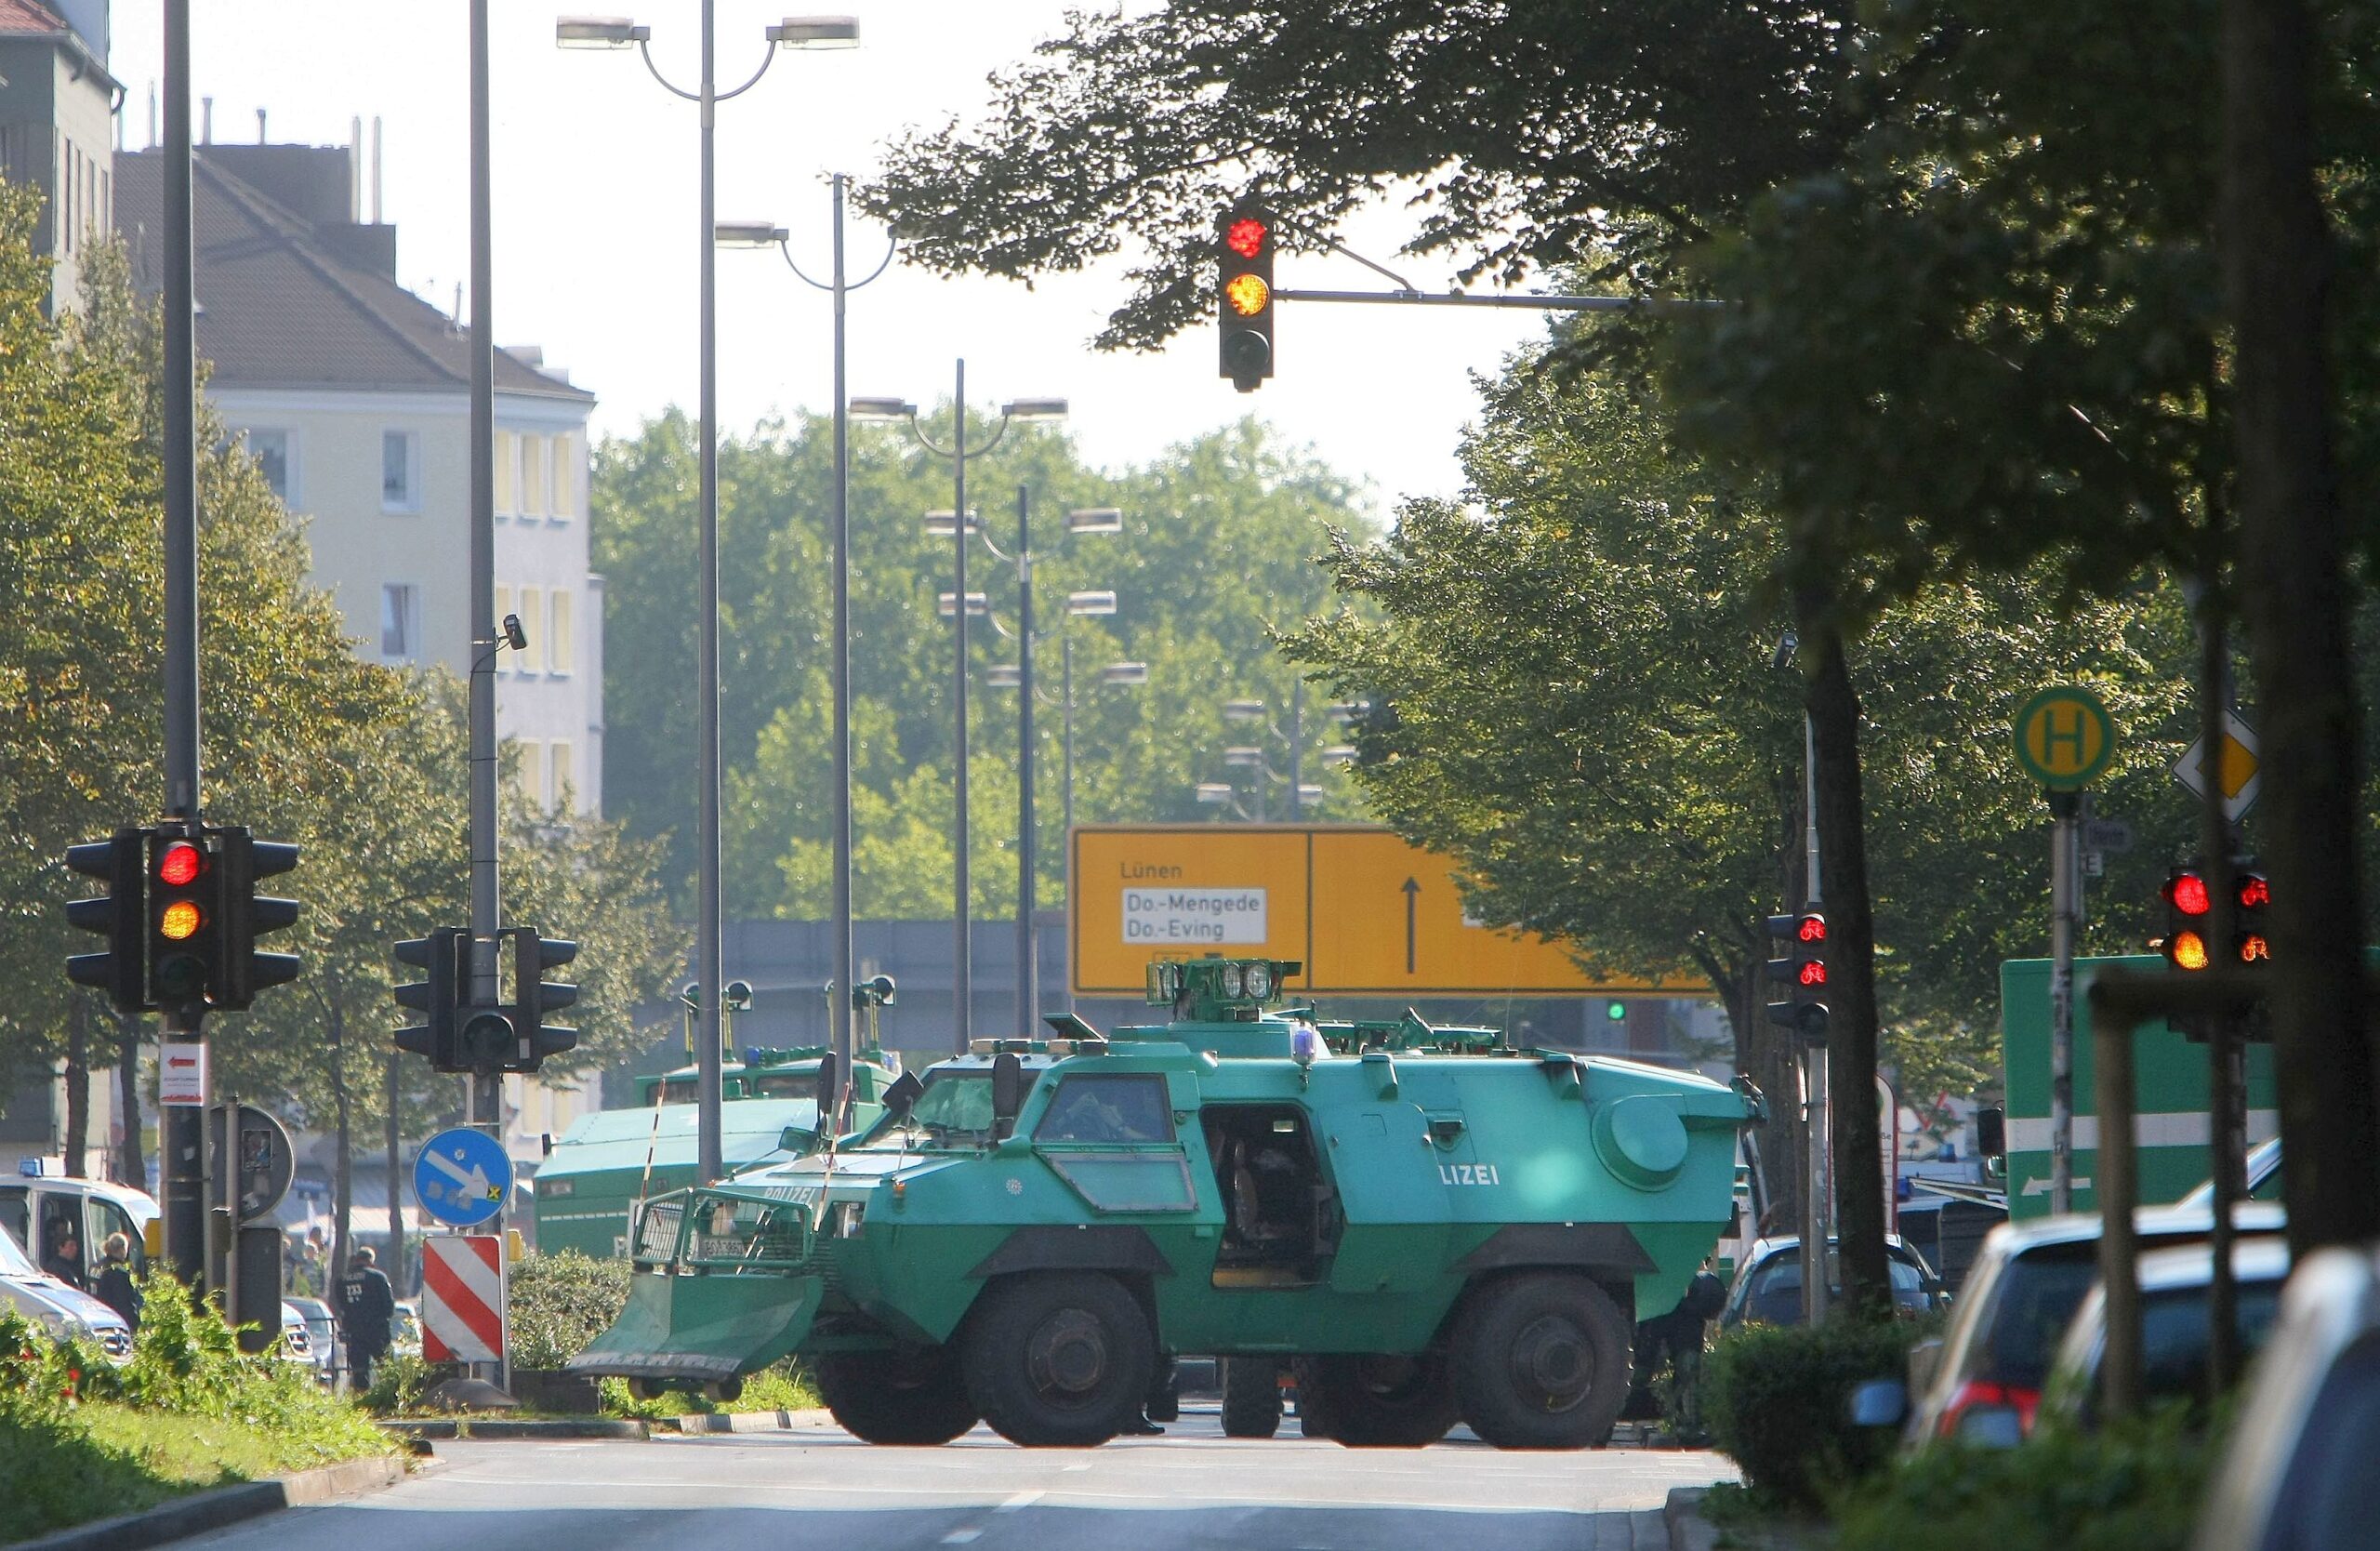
(2065, 738)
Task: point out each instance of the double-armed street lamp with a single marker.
(958, 452)
(616, 33)
(1089, 603)
(842, 999)
(1257, 757)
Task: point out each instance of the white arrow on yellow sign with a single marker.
(2240, 773)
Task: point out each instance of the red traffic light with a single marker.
(1810, 929)
(2255, 948)
(1813, 972)
(1247, 236)
(177, 864)
(2254, 893)
(2186, 891)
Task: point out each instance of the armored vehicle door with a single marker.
(1282, 1216)
(1398, 1148)
(1110, 1136)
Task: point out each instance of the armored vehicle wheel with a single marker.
(1376, 1400)
(1541, 1361)
(1252, 1396)
(896, 1398)
(1058, 1360)
(647, 1389)
(720, 1391)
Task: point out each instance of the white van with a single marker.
(35, 1205)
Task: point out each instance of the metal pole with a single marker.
(1816, 1130)
(2115, 1185)
(1028, 980)
(2064, 872)
(711, 971)
(486, 1108)
(1067, 681)
(846, 973)
(962, 967)
(1297, 751)
(183, 1126)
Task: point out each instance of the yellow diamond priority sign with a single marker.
(2240, 773)
(2065, 738)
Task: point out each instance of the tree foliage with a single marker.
(1219, 536)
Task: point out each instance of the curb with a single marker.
(495, 1430)
(750, 1421)
(1688, 1530)
(212, 1510)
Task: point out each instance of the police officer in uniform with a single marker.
(366, 1303)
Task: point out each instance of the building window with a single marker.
(506, 453)
(559, 653)
(399, 472)
(533, 476)
(400, 622)
(563, 777)
(271, 449)
(564, 504)
(532, 769)
(532, 600)
(503, 607)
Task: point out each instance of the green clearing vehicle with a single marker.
(607, 1161)
(1425, 1236)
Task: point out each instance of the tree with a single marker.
(1218, 539)
(1586, 717)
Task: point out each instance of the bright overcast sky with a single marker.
(596, 211)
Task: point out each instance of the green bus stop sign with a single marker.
(2065, 738)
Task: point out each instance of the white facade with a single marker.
(381, 481)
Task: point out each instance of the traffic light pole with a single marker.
(1818, 1137)
(486, 1108)
(182, 1126)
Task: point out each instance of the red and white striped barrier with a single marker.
(462, 1299)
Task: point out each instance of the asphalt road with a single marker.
(817, 1489)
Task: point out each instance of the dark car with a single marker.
(1981, 1380)
(2175, 1326)
(1769, 1284)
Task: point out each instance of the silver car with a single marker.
(2298, 1475)
(61, 1309)
(2174, 1324)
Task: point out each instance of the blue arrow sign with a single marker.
(460, 1177)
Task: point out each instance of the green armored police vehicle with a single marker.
(608, 1161)
(1427, 1236)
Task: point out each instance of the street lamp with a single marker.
(962, 966)
(1303, 795)
(823, 31)
(842, 1003)
(1079, 603)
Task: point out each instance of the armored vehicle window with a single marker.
(953, 1105)
(1108, 1107)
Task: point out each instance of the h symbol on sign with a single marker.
(2071, 734)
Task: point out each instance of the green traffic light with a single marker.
(181, 977)
(1615, 1010)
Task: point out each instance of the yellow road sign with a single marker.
(2239, 771)
(2065, 738)
(1365, 912)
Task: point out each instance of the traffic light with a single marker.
(185, 940)
(2250, 940)
(120, 914)
(241, 971)
(535, 995)
(1798, 942)
(2188, 905)
(1244, 295)
(435, 996)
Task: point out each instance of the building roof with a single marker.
(29, 16)
(279, 309)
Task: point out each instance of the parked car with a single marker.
(2174, 1324)
(34, 1205)
(2264, 1178)
(1982, 1379)
(404, 1330)
(61, 1311)
(2297, 1473)
(1769, 1284)
(322, 1336)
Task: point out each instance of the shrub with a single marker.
(1777, 1401)
(399, 1382)
(2131, 1488)
(559, 1303)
